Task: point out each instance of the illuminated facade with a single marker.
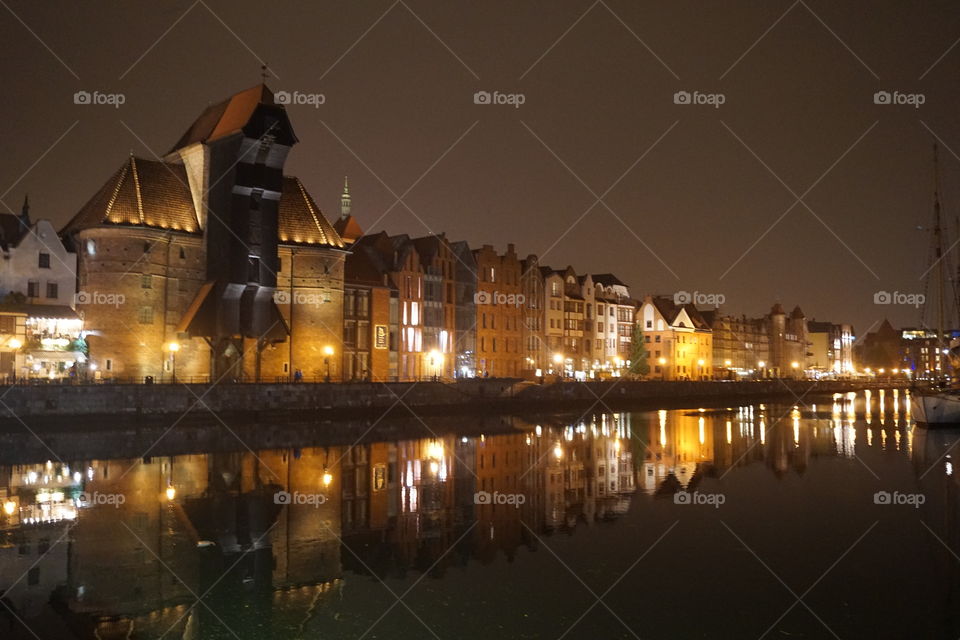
(679, 340)
(210, 263)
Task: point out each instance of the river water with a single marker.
(836, 517)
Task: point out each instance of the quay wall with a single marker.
(257, 401)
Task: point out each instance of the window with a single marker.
(146, 281)
(52, 290)
(183, 253)
(109, 364)
(146, 315)
(91, 248)
(33, 289)
(253, 269)
(44, 260)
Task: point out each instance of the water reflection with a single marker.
(128, 545)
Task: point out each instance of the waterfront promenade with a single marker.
(259, 401)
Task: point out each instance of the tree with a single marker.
(638, 353)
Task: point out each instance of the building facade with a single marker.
(680, 342)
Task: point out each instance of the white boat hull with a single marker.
(935, 409)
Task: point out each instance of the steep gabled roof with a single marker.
(154, 194)
(300, 219)
(144, 193)
(607, 280)
(348, 228)
(227, 117)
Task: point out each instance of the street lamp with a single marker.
(173, 348)
(327, 352)
(558, 360)
(171, 493)
(761, 365)
(663, 368)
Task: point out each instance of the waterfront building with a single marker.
(741, 345)
(830, 348)
(679, 340)
(439, 304)
(465, 311)
(500, 313)
(570, 316)
(370, 321)
(553, 332)
(616, 318)
(210, 263)
(397, 261)
(788, 343)
(536, 354)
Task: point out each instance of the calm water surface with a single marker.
(833, 519)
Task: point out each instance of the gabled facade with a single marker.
(616, 313)
(679, 340)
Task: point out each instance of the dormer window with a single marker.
(44, 261)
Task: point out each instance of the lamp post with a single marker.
(760, 365)
(794, 365)
(173, 348)
(327, 352)
(663, 368)
(700, 368)
(558, 361)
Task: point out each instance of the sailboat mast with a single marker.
(938, 241)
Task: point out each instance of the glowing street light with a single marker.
(327, 352)
(14, 344)
(171, 493)
(327, 478)
(173, 348)
(9, 507)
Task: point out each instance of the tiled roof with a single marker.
(144, 193)
(300, 219)
(149, 193)
(226, 117)
(348, 228)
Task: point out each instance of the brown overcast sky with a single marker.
(695, 191)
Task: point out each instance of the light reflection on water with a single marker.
(127, 545)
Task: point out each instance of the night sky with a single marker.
(690, 188)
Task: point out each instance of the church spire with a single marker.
(345, 199)
(25, 212)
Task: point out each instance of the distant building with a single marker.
(788, 342)
(347, 225)
(679, 340)
(741, 345)
(500, 313)
(465, 289)
(536, 358)
(439, 304)
(830, 348)
(616, 313)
